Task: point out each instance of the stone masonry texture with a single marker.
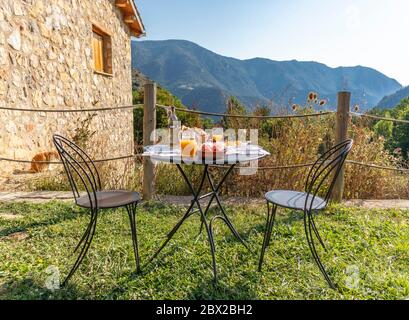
(46, 62)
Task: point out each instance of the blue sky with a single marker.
(371, 33)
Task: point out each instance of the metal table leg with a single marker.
(225, 218)
(185, 216)
(215, 190)
(208, 226)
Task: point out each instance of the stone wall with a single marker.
(46, 62)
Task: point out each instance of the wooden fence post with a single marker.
(341, 134)
(149, 126)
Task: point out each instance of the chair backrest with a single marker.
(325, 172)
(80, 169)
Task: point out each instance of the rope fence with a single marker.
(72, 110)
(374, 166)
(137, 106)
(306, 165)
(365, 115)
(249, 116)
(286, 167)
(294, 166)
(59, 162)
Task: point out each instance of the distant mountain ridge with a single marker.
(393, 100)
(205, 79)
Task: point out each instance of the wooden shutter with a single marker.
(98, 48)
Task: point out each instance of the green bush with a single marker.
(395, 134)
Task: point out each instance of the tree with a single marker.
(234, 107)
(384, 128)
(164, 98)
(396, 134)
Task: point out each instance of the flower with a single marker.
(312, 96)
(356, 108)
(294, 107)
(323, 102)
(397, 151)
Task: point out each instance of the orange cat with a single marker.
(36, 163)
(37, 166)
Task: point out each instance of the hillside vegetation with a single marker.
(396, 134)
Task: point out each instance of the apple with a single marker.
(212, 149)
(207, 148)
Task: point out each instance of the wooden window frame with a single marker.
(106, 50)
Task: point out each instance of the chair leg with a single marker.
(209, 231)
(84, 236)
(314, 227)
(131, 209)
(308, 232)
(88, 237)
(267, 232)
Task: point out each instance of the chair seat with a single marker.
(294, 200)
(110, 199)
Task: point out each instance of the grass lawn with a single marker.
(368, 255)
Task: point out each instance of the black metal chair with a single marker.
(326, 169)
(83, 175)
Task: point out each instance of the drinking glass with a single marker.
(217, 134)
(188, 144)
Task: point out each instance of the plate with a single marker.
(162, 150)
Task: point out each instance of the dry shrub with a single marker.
(120, 174)
(48, 181)
(301, 141)
(293, 141)
(168, 179)
(371, 183)
(115, 175)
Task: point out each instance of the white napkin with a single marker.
(162, 150)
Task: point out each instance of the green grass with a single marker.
(375, 243)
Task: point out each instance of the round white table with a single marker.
(162, 154)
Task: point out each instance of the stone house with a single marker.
(65, 54)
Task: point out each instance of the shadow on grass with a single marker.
(30, 289)
(162, 208)
(208, 290)
(52, 220)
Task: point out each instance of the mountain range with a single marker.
(394, 99)
(202, 78)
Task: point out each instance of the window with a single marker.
(102, 51)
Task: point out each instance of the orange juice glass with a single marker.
(217, 137)
(189, 148)
(217, 134)
(188, 144)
